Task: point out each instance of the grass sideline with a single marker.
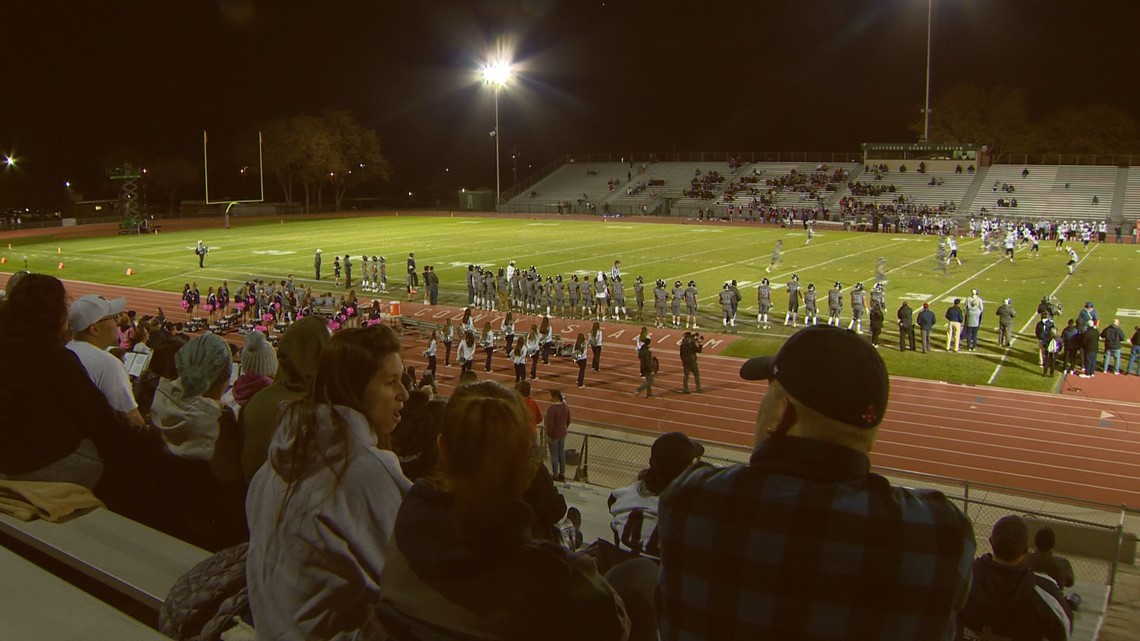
(710, 254)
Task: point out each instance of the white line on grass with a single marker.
(1033, 318)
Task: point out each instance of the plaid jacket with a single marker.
(805, 543)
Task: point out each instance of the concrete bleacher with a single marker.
(1073, 190)
(567, 184)
(1131, 208)
(678, 177)
(1032, 192)
(917, 188)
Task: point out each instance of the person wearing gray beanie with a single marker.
(258, 367)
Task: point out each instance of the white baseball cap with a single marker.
(90, 309)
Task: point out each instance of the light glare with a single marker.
(497, 73)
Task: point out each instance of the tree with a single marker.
(1093, 129)
(331, 149)
(969, 114)
(168, 174)
(357, 156)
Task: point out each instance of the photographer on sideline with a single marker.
(691, 345)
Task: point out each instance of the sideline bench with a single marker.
(36, 604)
(126, 556)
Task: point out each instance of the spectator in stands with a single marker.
(322, 510)
(201, 469)
(298, 354)
(533, 411)
(414, 438)
(1007, 600)
(557, 425)
(633, 508)
(462, 562)
(56, 426)
(880, 561)
(258, 367)
(94, 325)
(1042, 559)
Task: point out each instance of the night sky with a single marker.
(84, 78)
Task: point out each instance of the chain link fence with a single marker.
(1095, 537)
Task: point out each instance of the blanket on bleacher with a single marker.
(50, 501)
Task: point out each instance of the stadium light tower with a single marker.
(926, 109)
(497, 73)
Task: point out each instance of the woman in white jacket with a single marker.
(322, 508)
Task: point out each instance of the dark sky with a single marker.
(83, 78)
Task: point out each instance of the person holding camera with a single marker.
(691, 345)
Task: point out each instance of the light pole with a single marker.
(497, 74)
(926, 109)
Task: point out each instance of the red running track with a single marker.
(1071, 446)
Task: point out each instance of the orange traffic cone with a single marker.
(60, 265)
(3, 259)
(130, 271)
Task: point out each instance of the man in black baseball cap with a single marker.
(805, 541)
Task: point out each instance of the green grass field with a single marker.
(708, 254)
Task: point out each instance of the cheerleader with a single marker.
(433, 342)
(546, 339)
(508, 330)
(467, 325)
(640, 340)
(196, 298)
(224, 299)
(579, 355)
(465, 354)
(488, 344)
(211, 305)
(518, 358)
(595, 340)
(352, 309)
(187, 300)
(447, 336)
(533, 349)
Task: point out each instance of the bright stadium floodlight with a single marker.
(497, 74)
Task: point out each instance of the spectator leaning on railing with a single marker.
(804, 541)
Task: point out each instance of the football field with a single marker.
(709, 254)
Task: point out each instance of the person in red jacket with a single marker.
(533, 411)
(557, 425)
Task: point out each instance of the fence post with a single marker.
(966, 499)
(1116, 552)
(583, 472)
